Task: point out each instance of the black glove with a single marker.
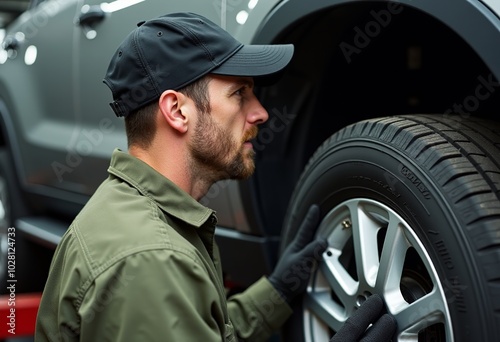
(291, 275)
(354, 329)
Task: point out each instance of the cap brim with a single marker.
(263, 62)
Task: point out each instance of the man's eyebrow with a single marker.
(244, 82)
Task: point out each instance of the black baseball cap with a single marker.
(174, 50)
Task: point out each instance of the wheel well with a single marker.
(407, 62)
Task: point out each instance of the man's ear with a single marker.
(170, 104)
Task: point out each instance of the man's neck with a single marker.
(177, 168)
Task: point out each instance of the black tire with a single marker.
(424, 190)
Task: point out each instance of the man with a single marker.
(139, 263)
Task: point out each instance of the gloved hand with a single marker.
(354, 329)
(291, 275)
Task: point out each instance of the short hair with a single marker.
(140, 125)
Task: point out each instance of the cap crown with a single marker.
(168, 52)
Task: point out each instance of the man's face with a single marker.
(220, 145)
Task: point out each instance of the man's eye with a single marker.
(240, 91)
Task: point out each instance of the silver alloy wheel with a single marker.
(4, 225)
(373, 250)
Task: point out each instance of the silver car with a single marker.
(387, 118)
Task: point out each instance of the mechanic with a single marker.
(139, 262)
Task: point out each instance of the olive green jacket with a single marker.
(139, 263)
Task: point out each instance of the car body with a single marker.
(354, 61)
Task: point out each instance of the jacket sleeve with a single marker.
(153, 295)
(258, 312)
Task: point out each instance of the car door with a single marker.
(37, 87)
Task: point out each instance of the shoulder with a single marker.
(118, 221)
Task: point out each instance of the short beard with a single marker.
(216, 155)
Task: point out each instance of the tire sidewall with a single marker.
(373, 170)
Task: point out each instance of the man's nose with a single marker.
(257, 115)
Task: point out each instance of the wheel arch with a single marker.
(481, 21)
(302, 102)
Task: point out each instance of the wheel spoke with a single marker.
(422, 313)
(338, 278)
(324, 308)
(365, 245)
(392, 258)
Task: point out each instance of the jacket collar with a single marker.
(149, 182)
